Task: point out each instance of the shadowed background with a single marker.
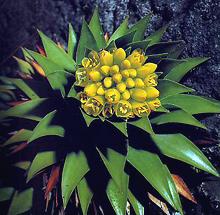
(197, 22)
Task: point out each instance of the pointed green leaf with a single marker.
(27, 56)
(140, 28)
(172, 48)
(72, 41)
(177, 146)
(118, 195)
(41, 161)
(178, 116)
(24, 66)
(143, 123)
(57, 54)
(21, 202)
(179, 71)
(170, 88)
(193, 104)
(138, 208)
(20, 136)
(24, 110)
(120, 31)
(88, 119)
(6, 193)
(125, 39)
(86, 40)
(121, 126)
(72, 93)
(75, 168)
(162, 110)
(85, 195)
(157, 35)
(23, 165)
(46, 128)
(138, 44)
(151, 167)
(96, 29)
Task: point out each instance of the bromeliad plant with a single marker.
(94, 116)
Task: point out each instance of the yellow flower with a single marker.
(139, 83)
(112, 96)
(83, 97)
(154, 104)
(94, 105)
(129, 83)
(108, 82)
(139, 95)
(90, 89)
(126, 95)
(125, 64)
(151, 80)
(125, 73)
(114, 69)
(119, 55)
(132, 73)
(95, 76)
(152, 92)
(105, 70)
(146, 69)
(121, 87)
(117, 78)
(108, 110)
(123, 109)
(140, 109)
(81, 77)
(101, 91)
(106, 58)
(137, 58)
(91, 62)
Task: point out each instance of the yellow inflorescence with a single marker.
(116, 83)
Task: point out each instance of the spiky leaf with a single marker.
(24, 66)
(138, 208)
(72, 41)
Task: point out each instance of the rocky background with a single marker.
(197, 22)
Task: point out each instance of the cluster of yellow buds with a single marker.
(116, 83)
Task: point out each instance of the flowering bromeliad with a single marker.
(116, 83)
(86, 112)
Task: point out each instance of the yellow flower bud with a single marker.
(139, 95)
(147, 69)
(152, 92)
(108, 110)
(123, 109)
(119, 55)
(105, 70)
(98, 84)
(114, 69)
(140, 109)
(101, 91)
(121, 87)
(95, 76)
(106, 58)
(154, 104)
(86, 62)
(126, 95)
(125, 64)
(125, 73)
(151, 80)
(112, 96)
(136, 59)
(81, 77)
(132, 73)
(139, 83)
(94, 105)
(129, 83)
(90, 90)
(108, 82)
(117, 78)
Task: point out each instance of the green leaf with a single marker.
(178, 116)
(125, 39)
(172, 48)
(157, 35)
(41, 161)
(120, 31)
(144, 124)
(151, 167)
(6, 193)
(72, 41)
(20, 136)
(57, 54)
(177, 146)
(24, 66)
(21, 202)
(178, 72)
(88, 119)
(140, 28)
(139, 44)
(138, 208)
(85, 195)
(72, 93)
(23, 165)
(86, 40)
(118, 195)
(24, 110)
(96, 29)
(46, 128)
(121, 126)
(193, 104)
(27, 56)
(170, 88)
(162, 110)
(75, 167)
